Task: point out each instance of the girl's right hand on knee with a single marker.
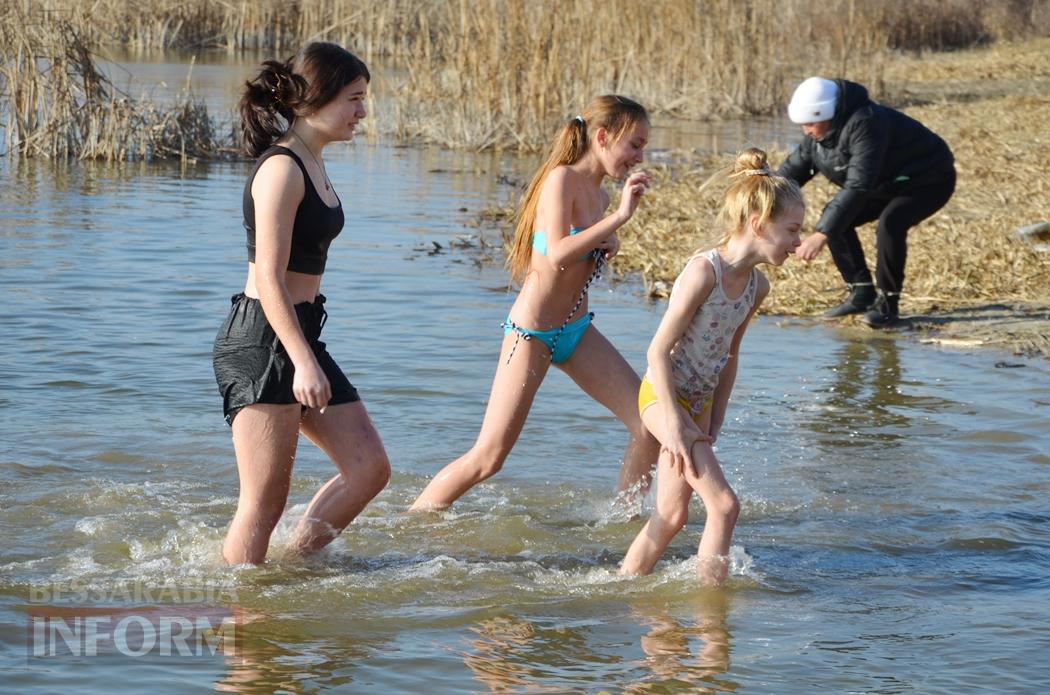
(310, 385)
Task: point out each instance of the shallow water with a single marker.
(894, 535)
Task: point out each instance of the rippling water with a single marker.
(894, 537)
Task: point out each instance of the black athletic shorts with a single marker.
(251, 365)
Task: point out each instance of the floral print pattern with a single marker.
(702, 352)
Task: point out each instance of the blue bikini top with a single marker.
(539, 239)
(539, 242)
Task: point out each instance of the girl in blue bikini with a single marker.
(562, 241)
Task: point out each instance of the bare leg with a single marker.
(605, 376)
(671, 513)
(669, 516)
(264, 439)
(346, 434)
(722, 508)
(513, 390)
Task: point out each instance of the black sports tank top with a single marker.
(316, 224)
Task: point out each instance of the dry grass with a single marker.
(373, 27)
(54, 103)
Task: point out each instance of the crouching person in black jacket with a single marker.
(890, 167)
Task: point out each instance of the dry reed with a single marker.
(399, 27)
(503, 74)
(55, 103)
(500, 73)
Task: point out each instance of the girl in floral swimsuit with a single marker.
(693, 362)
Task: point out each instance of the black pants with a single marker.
(896, 216)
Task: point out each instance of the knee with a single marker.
(486, 459)
(725, 507)
(372, 472)
(380, 472)
(637, 430)
(894, 224)
(671, 521)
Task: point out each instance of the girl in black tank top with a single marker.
(316, 224)
(274, 373)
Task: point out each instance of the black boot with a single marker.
(861, 296)
(884, 311)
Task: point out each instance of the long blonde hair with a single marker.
(614, 113)
(754, 188)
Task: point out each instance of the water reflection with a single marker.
(501, 659)
(863, 401)
(275, 654)
(683, 646)
(690, 654)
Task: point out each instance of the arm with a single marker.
(799, 165)
(727, 378)
(692, 290)
(868, 140)
(799, 168)
(556, 202)
(278, 190)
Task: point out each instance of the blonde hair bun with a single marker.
(751, 162)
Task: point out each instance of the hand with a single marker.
(679, 446)
(633, 189)
(310, 385)
(610, 247)
(812, 246)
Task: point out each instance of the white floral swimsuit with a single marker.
(699, 356)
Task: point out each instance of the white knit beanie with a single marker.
(813, 101)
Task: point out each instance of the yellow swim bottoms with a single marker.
(647, 396)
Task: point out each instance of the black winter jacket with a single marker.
(871, 151)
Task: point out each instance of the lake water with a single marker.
(894, 535)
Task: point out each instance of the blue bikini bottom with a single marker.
(561, 342)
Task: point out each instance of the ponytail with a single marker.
(569, 146)
(268, 105)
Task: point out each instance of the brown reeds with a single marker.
(502, 74)
(55, 103)
(399, 27)
(499, 73)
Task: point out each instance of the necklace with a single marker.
(320, 166)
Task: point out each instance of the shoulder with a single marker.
(560, 177)
(698, 276)
(279, 170)
(278, 161)
(762, 286)
(867, 120)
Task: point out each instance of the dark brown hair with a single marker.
(281, 92)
